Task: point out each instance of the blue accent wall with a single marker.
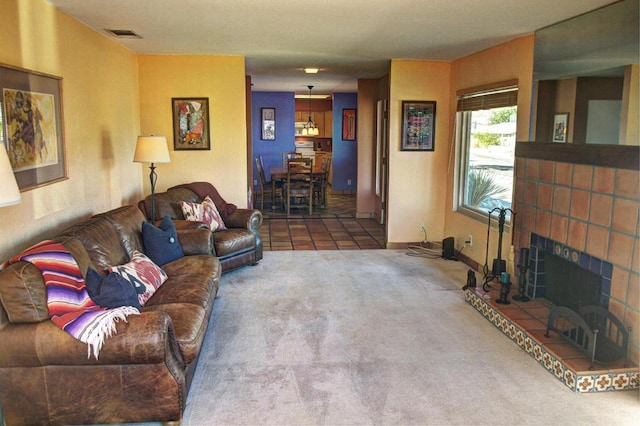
(345, 153)
(271, 151)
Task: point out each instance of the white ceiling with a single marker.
(346, 39)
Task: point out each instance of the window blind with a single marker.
(486, 97)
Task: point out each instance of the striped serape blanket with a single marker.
(70, 306)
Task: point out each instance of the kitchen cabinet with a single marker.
(323, 120)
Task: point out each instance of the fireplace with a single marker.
(566, 276)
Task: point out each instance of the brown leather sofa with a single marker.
(143, 371)
(238, 245)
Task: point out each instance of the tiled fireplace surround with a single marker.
(589, 215)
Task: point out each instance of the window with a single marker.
(486, 139)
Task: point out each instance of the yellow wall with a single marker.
(101, 119)
(222, 80)
(511, 60)
(417, 180)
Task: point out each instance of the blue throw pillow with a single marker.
(161, 244)
(111, 291)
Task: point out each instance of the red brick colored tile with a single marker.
(531, 168)
(603, 179)
(633, 292)
(625, 215)
(619, 284)
(559, 227)
(635, 260)
(580, 204)
(582, 176)
(545, 195)
(620, 249)
(600, 210)
(543, 223)
(577, 235)
(546, 171)
(597, 241)
(561, 199)
(519, 167)
(530, 192)
(564, 173)
(627, 183)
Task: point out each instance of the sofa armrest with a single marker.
(147, 338)
(196, 241)
(250, 219)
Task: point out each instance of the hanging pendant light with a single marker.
(310, 128)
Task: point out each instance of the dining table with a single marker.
(279, 172)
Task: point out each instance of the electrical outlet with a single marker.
(255, 182)
(348, 181)
(469, 241)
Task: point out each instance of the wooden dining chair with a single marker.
(298, 185)
(288, 155)
(266, 186)
(321, 183)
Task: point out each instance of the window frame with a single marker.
(462, 139)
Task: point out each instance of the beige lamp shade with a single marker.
(151, 149)
(9, 191)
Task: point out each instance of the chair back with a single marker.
(299, 168)
(286, 156)
(261, 174)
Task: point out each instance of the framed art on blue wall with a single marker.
(418, 125)
(268, 124)
(349, 124)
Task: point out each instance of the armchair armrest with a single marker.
(196, 240)
(144, 339)
(250, 219)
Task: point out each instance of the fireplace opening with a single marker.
(568, 284)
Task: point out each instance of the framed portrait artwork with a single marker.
(560, 122)
(349, 124)
(31, 126)
(418, 125)
(191, 124)
(268, 124)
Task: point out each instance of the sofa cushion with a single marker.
(145, 275)
(205, 212)
(161, 243)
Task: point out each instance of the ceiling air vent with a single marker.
(123, 33)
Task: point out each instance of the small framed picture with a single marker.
(349, 124)
(560, 123)
(418, 125)
(268, 124)
(190, 124)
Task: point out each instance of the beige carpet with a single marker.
(371, 337)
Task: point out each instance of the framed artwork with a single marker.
(31, 126)
(190, 124)
(418, 125)
(268, 124)
(560, 122)
(349, 124)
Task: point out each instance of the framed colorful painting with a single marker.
(268, 124)
(349, 125)
(418, 125)
(190, 124)
(31, 126)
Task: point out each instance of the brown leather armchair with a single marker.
(238, 245)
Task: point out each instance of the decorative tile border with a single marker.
(580, 383)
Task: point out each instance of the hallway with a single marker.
(334, 227)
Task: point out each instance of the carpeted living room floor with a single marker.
(371, 337)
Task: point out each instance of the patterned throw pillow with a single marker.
(212, 216)
(205, 213)
(145, 275)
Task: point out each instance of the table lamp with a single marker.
(152, 149)
(9, 191)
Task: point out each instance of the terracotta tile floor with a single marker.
(333, 227)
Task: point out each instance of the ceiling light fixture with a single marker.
(311, 70)
(310, 128)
